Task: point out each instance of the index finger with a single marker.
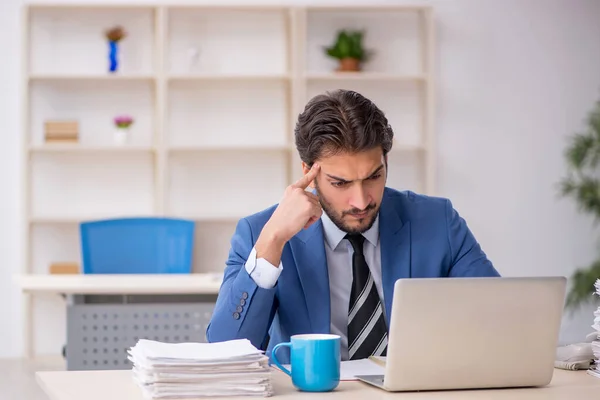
(308, 178)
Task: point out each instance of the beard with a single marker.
(338, 218)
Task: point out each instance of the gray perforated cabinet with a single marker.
(100, 329)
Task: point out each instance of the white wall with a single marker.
(514, 79)
(10, 226)
(517, 77)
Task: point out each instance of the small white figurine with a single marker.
(193, 56)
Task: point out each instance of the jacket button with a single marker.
(242, 302)
(239, 309)
(236, 315)
(244, 295)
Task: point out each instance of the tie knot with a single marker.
(356, 240)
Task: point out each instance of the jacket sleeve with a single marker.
(467, 257)
(243, 309)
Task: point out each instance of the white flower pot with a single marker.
(121, 136)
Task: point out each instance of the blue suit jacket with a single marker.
(420, 237)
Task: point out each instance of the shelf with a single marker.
(231, 8)
(228, 77)
(89, 184)
(55, 220)
(90, 77)
(77, 148)
(364, 76)
(89, 6)
(407, 148)
(220, 114)
(212, 218)
(232, 148)
(231, 41)
(406, 171)
(70, 219)
(93, 104)
(394, 36)
(202, 186)
(206, 283)
(53, 242)
(215, 92)
(69, 41)
(366, 8)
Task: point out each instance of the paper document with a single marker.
(595, 367)
(196, 352)
(198, 370)
(349, 369)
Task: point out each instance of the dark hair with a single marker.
(341, 121)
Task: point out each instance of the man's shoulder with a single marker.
(407, 200)
(428, 214)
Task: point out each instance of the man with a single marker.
(325, 260)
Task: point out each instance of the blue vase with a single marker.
(113, 56)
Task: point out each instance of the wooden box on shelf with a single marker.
(61, 131)
(64, 268)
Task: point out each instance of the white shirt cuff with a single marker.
(263, 273)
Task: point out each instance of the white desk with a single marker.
(108, 284)
(119, 284)
(118, 385)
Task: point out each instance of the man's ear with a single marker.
(305, 168)
(385, 161)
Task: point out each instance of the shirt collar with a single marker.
(334, 235)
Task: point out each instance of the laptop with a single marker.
(472, 333)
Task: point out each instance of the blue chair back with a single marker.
(137, 246)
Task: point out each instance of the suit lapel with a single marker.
(394, 237)
(308, 250)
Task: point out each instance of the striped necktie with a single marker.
(367, 330)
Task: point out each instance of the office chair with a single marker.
(137, 246)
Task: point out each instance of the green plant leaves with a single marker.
(581, 147)
(583, 185)
(582, 286)
(348, 44)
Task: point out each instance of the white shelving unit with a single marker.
(212, 139)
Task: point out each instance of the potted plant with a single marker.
(348, 50)
(114, 36)
(122, 123)
(582, 184)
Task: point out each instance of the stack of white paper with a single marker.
(595, 368)
(194, 370)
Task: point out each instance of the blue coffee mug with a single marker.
(315, 361)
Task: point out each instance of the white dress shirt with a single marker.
(338, 252)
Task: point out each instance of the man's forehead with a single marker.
(351, 173)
